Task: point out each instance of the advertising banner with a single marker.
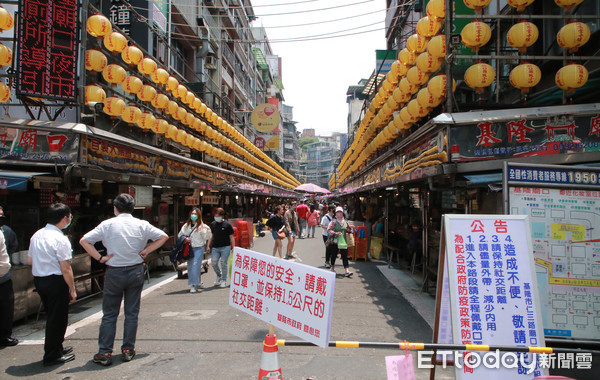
(265, 117)
(40, 146)
(294, 297)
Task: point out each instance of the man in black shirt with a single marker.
(220, 245)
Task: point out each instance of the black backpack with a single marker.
(181, 250)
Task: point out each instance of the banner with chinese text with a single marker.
(38, 145)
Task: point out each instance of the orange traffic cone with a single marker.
(269, 363)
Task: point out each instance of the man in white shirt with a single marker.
(125, 239)
(49, 255)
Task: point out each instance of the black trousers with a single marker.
(327, 249)
(7, 309)
(54, 292)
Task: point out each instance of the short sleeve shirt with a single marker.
(47, 248)
(124, 236)
(221, 232)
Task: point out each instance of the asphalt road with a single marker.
(183, 335)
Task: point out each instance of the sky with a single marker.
(317, 71)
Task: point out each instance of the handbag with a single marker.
(349, 239)
(281, 233)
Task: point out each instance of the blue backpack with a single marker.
(181, 250)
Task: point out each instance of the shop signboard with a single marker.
(493, 295)
(120, 15)
(564, 208)
(47, 56)
(210, 200)
(111, 155)
(384, 60)
(265, 117)
(38, 145)
(524, 137)
(291, 296)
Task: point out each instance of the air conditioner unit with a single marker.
(210, 3)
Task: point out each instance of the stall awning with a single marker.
(13, 180)
(481, 179)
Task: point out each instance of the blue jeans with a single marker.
(303, 223)
(223, 254)
(120, 283)
(311, 228)
(194, 266)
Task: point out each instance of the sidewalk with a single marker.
(199, 335)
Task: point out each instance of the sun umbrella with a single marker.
(311, 188)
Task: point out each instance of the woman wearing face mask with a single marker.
(220, 245)
(197, 234)
(338, 228)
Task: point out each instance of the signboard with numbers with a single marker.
(492, 288)
(294, 297)
(47, 56)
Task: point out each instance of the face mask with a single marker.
(68, 224)
(193, 218)
(339, 217)
(218, 219)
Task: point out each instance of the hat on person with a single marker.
(339, 209)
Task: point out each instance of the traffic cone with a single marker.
(269, 363)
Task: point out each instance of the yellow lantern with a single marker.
(427, 100)
(131, 115)
(172, 108)
(190, 140)
(387, 86)
(202, 109)
(114, 74)
(160, 101)
(213, 118)
(427, 27)
(160, 76)
(6, 55)
(399, 70)
(7, 21)
(208, 113)
(160, 126)
(407, 117)
(400, 96)
(146, 121)
(147, 66)
(568, 4)
(573, 35)
(476, 34)
(477, 4)
(181, 92)
(406, 57)
(437, 47)
(416, 76)
(181, 114)
(113, 106)
(94, 94)
(4, 93)
(408, 87)
(525, 76)
(171, 132)
(95, 61)
(479, 75)
(436, 9)
(203, 127)
(181, 136)
(132, 85)
(399, 124)
(416, 109)
(437, 86)
(147, 93)
(189, 119)
(132, 55)
(522, 35)
(98, 25)
(392, 103)
(571, 77)
(428, 63)
(115, 42)
(197, 104)
(520, 5)
(416, 43)
(172, 84)
(189, 98)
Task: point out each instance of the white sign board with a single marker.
(565, 228)
(294, 297)
(492, 289)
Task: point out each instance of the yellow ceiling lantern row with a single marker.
(96, 61)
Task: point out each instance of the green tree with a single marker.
(304, 141)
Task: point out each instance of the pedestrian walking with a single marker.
(7, 295)
(220, 245)
(49, 255)
(292, 229)
(276, 224)
(313, 220)
(125, 238)
(338, 228)
(303, 211)
(197, 235)
(328, 215)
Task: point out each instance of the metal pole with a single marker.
(448, 29)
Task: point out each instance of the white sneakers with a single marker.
(218, 281)
(193, 289)
(201, 286)
(223, 284)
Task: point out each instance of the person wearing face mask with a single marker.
(220, 245)
(126, 240)
(49, 255)
(197, 234)
(338, 228)
(7, 295)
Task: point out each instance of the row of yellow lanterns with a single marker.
(519, 5)
(99, 26)
(7, 22)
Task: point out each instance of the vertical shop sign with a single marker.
(294, 297)
(120, 15)
(492, 289)
(47, 55)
